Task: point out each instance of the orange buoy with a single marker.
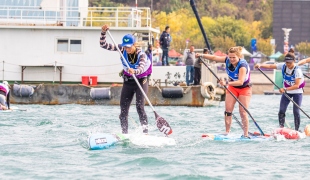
(287, 133)
(307, 130)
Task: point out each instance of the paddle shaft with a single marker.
(192, 3)
(134, 77)
(235, 98)
(240, 124)
(284, 93)
(307, 76)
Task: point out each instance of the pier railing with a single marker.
(75, 16)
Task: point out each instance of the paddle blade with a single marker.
(162, 125)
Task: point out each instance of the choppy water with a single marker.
(49, 142)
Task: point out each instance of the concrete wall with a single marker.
(79, 94)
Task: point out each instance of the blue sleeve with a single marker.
(227, 59)
(244, 65)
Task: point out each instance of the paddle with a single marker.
(307, 76)
(284, 93)
(260, 130)
(161, 123)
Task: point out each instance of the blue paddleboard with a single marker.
(98, 141)
(230, 137)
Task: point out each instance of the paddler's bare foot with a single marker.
(225, 133)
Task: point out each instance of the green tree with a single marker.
(223, 44)
(230, 27)
(303, 48)
(264, 46)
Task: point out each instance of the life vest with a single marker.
(147, 66)
(289, 79)
(4, 88)
(233, 75)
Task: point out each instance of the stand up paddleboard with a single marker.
(277, 134)
(287, 133)
(233, 138)
(99, 141)
(13, 108)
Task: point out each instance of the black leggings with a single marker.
(297, 98)
(130, 88)
(197, 76)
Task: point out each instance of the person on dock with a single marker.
(197, 68)
(164, 41)
(4, 95)
(149, 52)
(189, 59)
(238, 72)
(293, 83)
(140, 67)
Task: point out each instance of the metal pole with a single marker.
(3, 71)
(136, 13)
(55, 65)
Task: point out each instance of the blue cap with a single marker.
(128, 40)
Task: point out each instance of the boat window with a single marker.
(69, 45)
(75, 45)
(62, 45)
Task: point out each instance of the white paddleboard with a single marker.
(98, 141)
(149, 140)
(13, 108)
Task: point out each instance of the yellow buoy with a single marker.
(307, 130)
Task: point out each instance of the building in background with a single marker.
(58, 40)
(291, 14)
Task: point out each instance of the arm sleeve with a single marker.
(108, 46)
(280, 66)
(142, 64)
(299, 73)
(227, 59)
(184, 56)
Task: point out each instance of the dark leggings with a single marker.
(130, 88)
(297, 98)
(197, 76)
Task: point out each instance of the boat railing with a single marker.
(75, 16)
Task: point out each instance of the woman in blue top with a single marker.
(238, 72)
(293, 83)
(141, 67)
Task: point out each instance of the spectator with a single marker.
(189, 59)
(164, 42)
(197, 68)
(149, 52)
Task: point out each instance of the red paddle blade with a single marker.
(162, 125)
